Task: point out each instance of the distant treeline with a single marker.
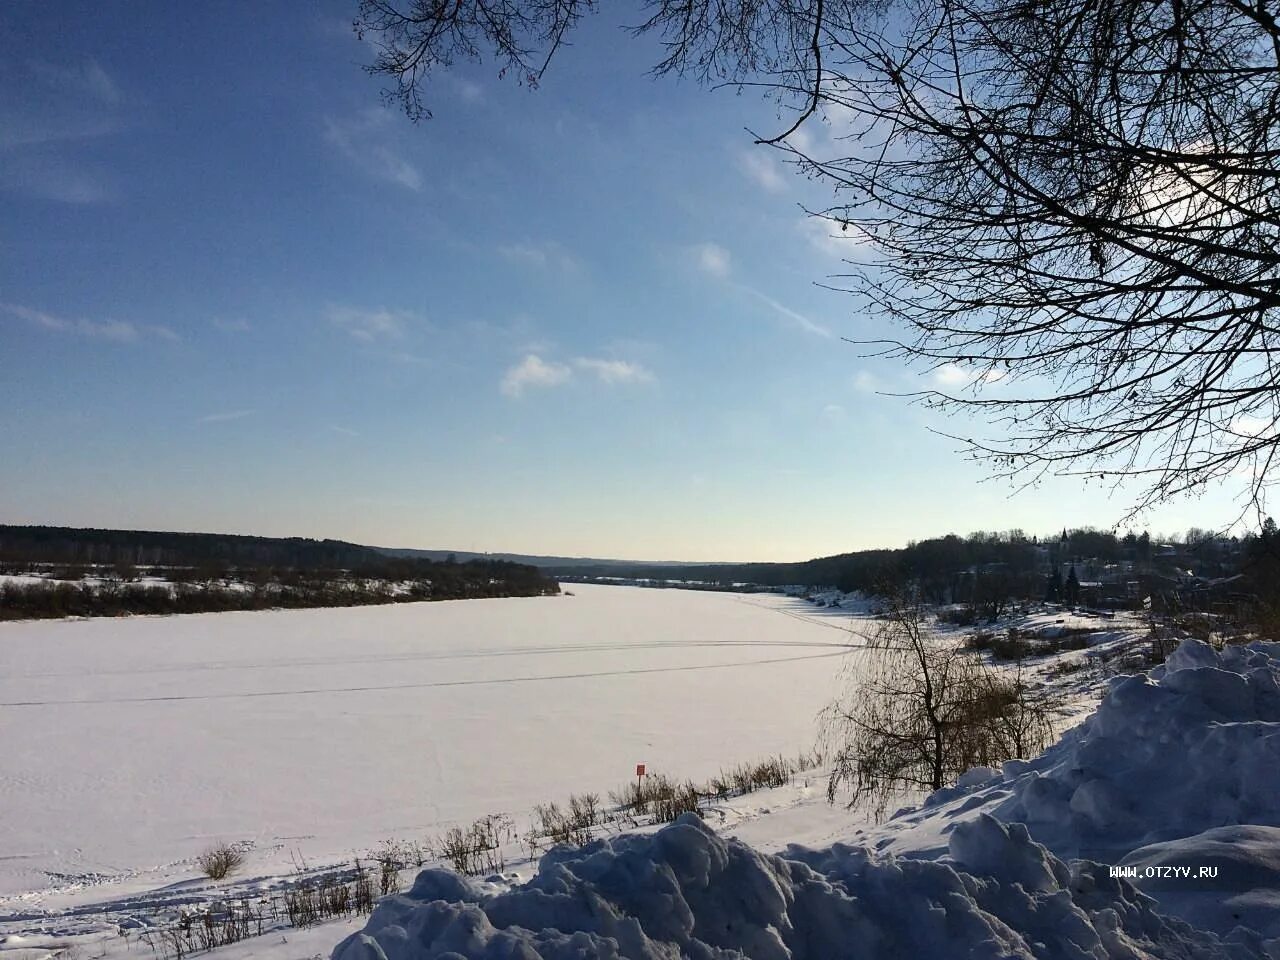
(261, 591)
(70, 545)
(95, 573)
(934, 565)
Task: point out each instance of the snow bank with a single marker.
(1192, 746)
(1245, 891)
(685, 892)
(1177, 767)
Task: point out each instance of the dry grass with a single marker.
(220, 861)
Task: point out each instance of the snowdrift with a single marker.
(1176, 768)
(1192, 746)
(685, 892)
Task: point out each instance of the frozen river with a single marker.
(128, 745)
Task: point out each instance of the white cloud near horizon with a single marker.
(371, 325)
(118, 331)
(366, 139)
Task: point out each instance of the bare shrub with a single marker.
(962, 615)
(659, 797)
(221, 860)
(302, 906)
(920, 712)
(478, 848)
(571, 827)
(680, 798)
(979, 640)
(809, 760)
(388, 877)
(584, 809)
(719, 786)
(1012, 646)
(362, 890)
(1065, 668)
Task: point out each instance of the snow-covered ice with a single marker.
(128, 745)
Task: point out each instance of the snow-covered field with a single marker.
(129, 745)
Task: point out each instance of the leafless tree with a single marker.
(1072, 204)
(918, 711)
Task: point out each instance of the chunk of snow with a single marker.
(685, 892)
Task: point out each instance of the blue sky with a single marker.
(238, 294)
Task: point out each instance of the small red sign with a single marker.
(639, 769)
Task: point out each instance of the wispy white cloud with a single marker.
(713, 259)
(344, 431)
(119, 331)
(765, 171)
(232, 325)
(951, 375)
(864, 381)
(367, 139)
(43, 103)
(614, 371)
(1248, 425)
(226, 416)
(827, 236)
(47, 113)
(468, 90)
(803, 140)
(371, 325)
(410, 358)
(541, 254)
(44, 176)
(534, 372)
(86, 79)
(956, 375)
(794, 317)
(833, 412)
